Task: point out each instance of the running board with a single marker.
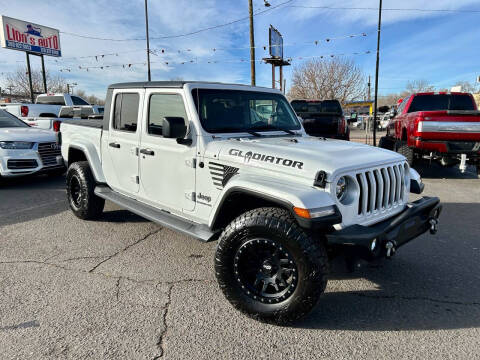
(198, 231)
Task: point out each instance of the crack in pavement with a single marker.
(83, 258)
(161, 340)
(153, 282)
(117, 288)
(420, 298)
(24, 325)
(126, 248)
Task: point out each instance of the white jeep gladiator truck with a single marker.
(200, 158)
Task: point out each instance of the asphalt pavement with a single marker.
(123, 287)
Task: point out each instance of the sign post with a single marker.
(30, 77)
(276, 55)
(32, 38)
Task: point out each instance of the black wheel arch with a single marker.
(76, 154)
(228, 208)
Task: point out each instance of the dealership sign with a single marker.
(26, 36)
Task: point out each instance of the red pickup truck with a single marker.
(443, 126)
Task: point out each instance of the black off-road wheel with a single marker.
(402, 148)
(80, 192)
(269, 268)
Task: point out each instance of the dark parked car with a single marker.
(322, 118)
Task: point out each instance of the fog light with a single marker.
(373, 245)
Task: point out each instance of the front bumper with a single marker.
(26, 162)
(452, 147)
(382, 239)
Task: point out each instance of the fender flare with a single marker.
(284, 193)
(91, 154)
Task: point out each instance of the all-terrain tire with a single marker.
(272, 228)
(386, 143)
(402, 148)
(80, 192)
(477, 168)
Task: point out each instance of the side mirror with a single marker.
(174, 127)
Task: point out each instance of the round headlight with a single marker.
(341, 188)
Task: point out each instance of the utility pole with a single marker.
(29, 70)
(252, 43)
(376, 75)
(43, 75)
(70, 87)
(369, 88)
(148, 42)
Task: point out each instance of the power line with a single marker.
(182, 35)
(383, 9)
(204, 61)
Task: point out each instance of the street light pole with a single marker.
(252, 44)
(148, 42)
(376, 75)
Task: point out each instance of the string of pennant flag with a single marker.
(167, 50)
(204, 61)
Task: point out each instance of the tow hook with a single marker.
(390, 246)
(433, 226)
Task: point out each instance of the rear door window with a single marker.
(126, 112)
(437, 102)
(325, 106)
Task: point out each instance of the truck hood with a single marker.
(26, 134)
(299, 156)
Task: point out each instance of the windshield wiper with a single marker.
(253, 133)
(230, 130)
(271, 127)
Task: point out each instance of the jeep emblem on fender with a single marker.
(267, 158)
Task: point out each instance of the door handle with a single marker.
(114, 145)
(147, 152)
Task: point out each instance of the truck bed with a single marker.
(94, 123)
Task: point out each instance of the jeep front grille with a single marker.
(48, 153)
(381, 189)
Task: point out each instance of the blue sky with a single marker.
(440, 47)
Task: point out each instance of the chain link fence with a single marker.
(361, 131)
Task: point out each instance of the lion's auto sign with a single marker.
(26, 36)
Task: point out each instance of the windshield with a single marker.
(243, 111)
(7, 120)
(317, 106)
(441, 102)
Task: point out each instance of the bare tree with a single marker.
(419, 86)
(91, 99)
(337, 79)
(18, 81)
(468, 86)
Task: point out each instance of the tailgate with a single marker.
(450, 125)
(320, 124)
